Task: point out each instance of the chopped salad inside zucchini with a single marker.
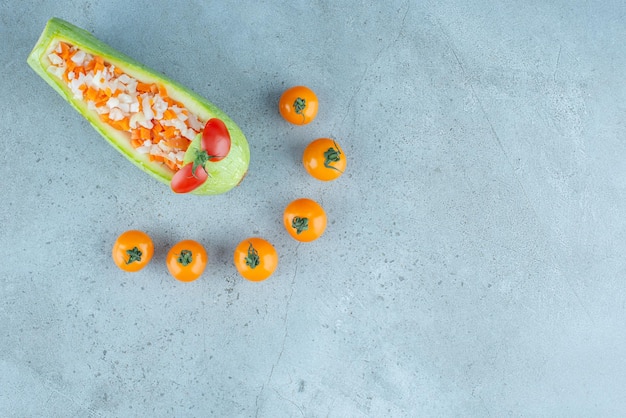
(153, 121)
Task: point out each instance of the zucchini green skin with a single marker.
(223, 175)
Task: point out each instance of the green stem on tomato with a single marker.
(185, 257)
(200, 159)
(332, 156)
(252, 259)
(300, 224)
(299, 105)
(133, 255)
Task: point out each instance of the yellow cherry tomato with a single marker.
(298, 105)
(132, 250)
(255, 259)
(186, 260)
(324, 159)
(304, 219)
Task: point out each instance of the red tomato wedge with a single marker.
(186, 180)
(215, 140)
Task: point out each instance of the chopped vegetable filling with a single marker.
(157, 125)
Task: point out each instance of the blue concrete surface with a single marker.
(474, 263)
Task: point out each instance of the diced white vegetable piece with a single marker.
(113, 102)
(140, 119)
(147, 110)
(159, 105)
(143, 150)
(179, 124)
(177, 110)
(97, 81)
(135, 119)
(125, 107)
(124, 78)
(134, 107)
(189, 133)
(147, 124)
(171, 156)
(164, 147)
(155, 150)
(194, 122)
(78, 57)
(75, 87)
(55, 59)
(114, 85)
(116, 114)
(125, 98)
(180, 155)
(56, 71)
(131, 86)
(197, 124)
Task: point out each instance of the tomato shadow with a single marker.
(162, 244)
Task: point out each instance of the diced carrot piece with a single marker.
(69, 65)
(78, 70)
(143, 87)
(100, 96)
(136, 143)
(91, 94)
(101, 101)
(169, 131)
(65, 50)
(144, 133)
(99, 63)
(157, 126)
(122, 124)
(179, 143)
(157, 158)
(171, 164)
(170, 102)
(169, 114)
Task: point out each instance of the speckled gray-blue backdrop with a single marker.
(474, 263)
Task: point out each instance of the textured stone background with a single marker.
(474, 260)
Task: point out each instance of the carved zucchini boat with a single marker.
(153, 121)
